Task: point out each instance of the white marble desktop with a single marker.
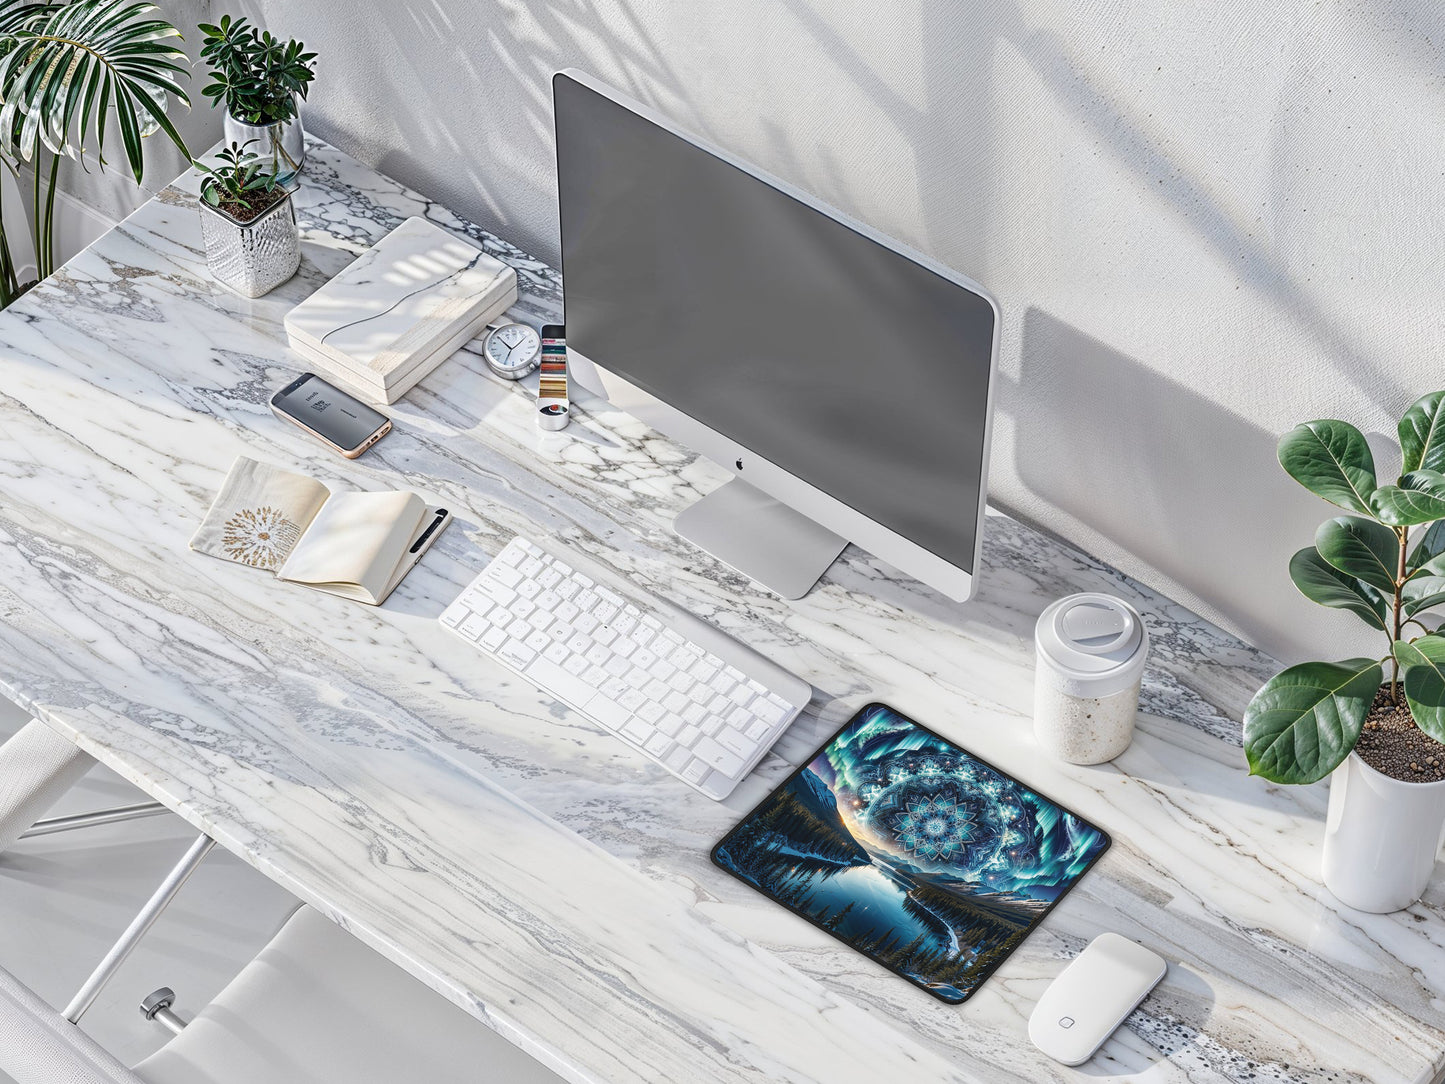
(526, 864)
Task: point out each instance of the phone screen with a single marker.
(328, 411)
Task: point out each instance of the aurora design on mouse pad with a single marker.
(912, 851)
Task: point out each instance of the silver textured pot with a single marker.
(252, 257)
(282, 145)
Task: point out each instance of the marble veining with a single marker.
(530, 867)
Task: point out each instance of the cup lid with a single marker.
(1096, 642)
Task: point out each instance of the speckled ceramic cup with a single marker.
(1090, 656)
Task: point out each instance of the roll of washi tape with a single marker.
(552, 407)
(553, 416)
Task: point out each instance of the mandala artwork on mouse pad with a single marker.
(912, 851)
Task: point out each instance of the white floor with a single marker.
(65, 898)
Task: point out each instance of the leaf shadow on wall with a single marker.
(1184, 485)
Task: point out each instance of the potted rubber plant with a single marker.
(260, 80)
(72, 74)
(1375, 724)
(248, 223)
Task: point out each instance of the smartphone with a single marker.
(340, 421)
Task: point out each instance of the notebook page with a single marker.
(355, 543)
(259, 514)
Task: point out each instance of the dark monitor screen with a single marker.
(845, 363)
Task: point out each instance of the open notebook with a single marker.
(356, 545)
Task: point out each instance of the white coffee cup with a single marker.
(1090, 651)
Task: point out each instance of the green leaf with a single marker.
(1422, 434)
(1419, 498)
(1305, 720)
(1422, 592)
(1360, 548)
(1423, 663)
(1331, 459)
(1430, 545)
(1321, 582)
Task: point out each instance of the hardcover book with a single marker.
(400, 309)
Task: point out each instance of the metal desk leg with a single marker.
(37, 766)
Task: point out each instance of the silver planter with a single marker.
(252, 257)
(282, 145)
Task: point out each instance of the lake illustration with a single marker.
(912, 851)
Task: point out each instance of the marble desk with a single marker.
(527, 865)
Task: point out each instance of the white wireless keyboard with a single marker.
(695, 700)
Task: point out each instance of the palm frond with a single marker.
(68, 69)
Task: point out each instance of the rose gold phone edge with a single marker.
(354, 453)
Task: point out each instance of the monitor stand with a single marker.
(761, 537)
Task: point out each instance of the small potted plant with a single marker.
(249, 225)
(1382, 739)
(260, 79)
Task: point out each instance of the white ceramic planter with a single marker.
(1382, 837)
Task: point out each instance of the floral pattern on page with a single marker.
(260, 537)
(259, 515)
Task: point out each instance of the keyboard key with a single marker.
(612, 688)
(529, 589)
(530, 567)
(734, 742)
(539, 641)
(568, 612)
(636, 730)
(455, 615)
(595, 676)
(695, 772)
(518, 629)
(677, 759)
(556, 652)
(518, 655)
(586, 623)
(675, 701)
(657, 744)
(715, 756)
(575, 665)
(609, 713)
(757, 729)
(506, 576)
(695, 715)
(632, 700)
(473, 627)
(512, 554)
(493, 638)
(558, 681)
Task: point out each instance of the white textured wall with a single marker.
(1205, 221)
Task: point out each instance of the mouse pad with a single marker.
(912, 851)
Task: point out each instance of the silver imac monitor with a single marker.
(845, 380)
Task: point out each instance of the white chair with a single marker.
(316, 1006)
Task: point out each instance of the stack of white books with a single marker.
(400, 309)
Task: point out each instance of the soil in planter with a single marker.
(1391, 743)
(261, 202)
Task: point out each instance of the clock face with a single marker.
(512, 349)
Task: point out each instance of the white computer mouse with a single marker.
(1092, 996)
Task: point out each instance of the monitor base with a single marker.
(761, 537)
